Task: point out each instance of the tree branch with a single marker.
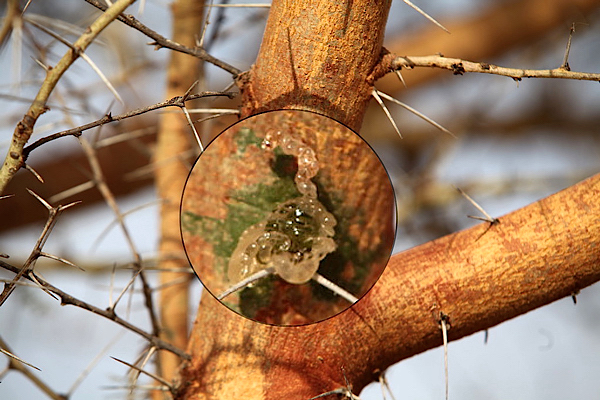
(67, 299)
(178, 101)
(534, 256)
(161, 41)
(459, 67)
(14, 159)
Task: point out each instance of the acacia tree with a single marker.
(471, 280)
(467, 281)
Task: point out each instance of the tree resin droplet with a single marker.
(297, 235)
(293, 240)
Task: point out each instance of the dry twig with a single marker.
(161, 41)
(15, 158)
(459, 67)
(178, 101)
(67, 299)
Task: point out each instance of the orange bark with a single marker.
(536, 255)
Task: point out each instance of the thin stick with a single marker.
(423, 13)
(177, 101)
(67, 299)
(161, 41)
(93, 364)
(247, 281)
(376, 96)
(417, 113)
(321, 280)
(110, 200)
(15, 157)
(459, 67)
(53, 213)
(84, 56)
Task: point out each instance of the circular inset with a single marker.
(288, 217)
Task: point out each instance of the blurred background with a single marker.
(516, 142)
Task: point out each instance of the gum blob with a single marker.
(297, 235)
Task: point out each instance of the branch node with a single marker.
(458, 69)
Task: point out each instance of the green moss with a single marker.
(244, 138)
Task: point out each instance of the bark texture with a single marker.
(318, 56)
(477, 277)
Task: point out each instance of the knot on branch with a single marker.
(458, 69)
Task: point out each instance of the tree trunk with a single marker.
(174, 139)
(324, 57)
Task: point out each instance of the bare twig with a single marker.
(459, 67)
(161, 41)
(67, 299)
(86, 371)
(12, 12)
(15, 158)
(85, 57)
(178, 101)
(36, 253)
(15, 365)
(110, 200)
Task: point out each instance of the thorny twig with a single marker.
(67, 299)
(178, 101)
(37, 252)
(459, 67)
(110, 200)
(161, 41)
(15, 158)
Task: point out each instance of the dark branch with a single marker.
(67, 299)
(161, 41)
(178, 101)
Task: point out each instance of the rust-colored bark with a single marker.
(174, 138)
(534, 256)
(317, 56)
